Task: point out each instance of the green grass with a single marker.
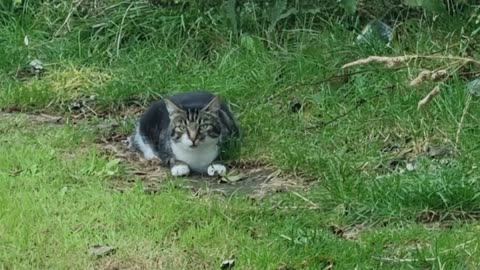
(56, 201)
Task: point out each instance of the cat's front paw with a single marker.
(216, 169)
(180, 170)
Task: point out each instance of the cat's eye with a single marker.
(180, 128)
(205, 127)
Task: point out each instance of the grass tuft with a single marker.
(392, 186)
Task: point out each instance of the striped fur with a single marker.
(185, 129)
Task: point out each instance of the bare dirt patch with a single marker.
(35, 119)
(134, 257)
(252, 178)
(446, 219)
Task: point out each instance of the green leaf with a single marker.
(275, 13)
(232, 15)
(435, 6)
(112, 163)
(350, 6)
(252, 44)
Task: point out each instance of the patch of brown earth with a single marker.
(446, 219)
(35, 119)
(254, 179)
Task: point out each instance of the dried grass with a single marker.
(73, 81)
(391, 61)
(258, 179)
(435, 91)
(425, 75)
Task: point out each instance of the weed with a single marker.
(355, 134)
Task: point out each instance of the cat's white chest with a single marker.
(198, 158)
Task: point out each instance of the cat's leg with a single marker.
(179, 168)
(138, 143)
(216, 169)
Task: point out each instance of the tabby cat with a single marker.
(186, 131)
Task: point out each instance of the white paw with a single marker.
(128, 142)
(148, 155)
(180, 170)
(216, 169)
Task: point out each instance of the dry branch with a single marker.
(390, 61)
(439, 75)
(424, 75)
(427, 75)
(435, 91)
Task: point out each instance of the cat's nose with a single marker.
(194, 142)
(193, 136)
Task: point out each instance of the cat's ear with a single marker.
(171, 107)
(213, 106)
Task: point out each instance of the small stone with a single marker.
(376, 30)
(473, 87)
(227, 264)
(36, 64)
(101, 251)
(410, 167)
(63, 190)
(76, 105)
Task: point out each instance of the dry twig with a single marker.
(406, 260)
(390, 61)
(435, 91)
(424, 75)
(428, 75)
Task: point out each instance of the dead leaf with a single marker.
(101, 251)
(348, 233)
(439, 151)
(233, 176)
(284, 267)
(428, 216)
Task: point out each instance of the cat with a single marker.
(186, 132)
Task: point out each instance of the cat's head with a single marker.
(194, 127)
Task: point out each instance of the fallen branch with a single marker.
(398, 260)
(391, 61)
(424, 75)
(388, 61)
(435, 91)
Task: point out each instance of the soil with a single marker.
(252, 178)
